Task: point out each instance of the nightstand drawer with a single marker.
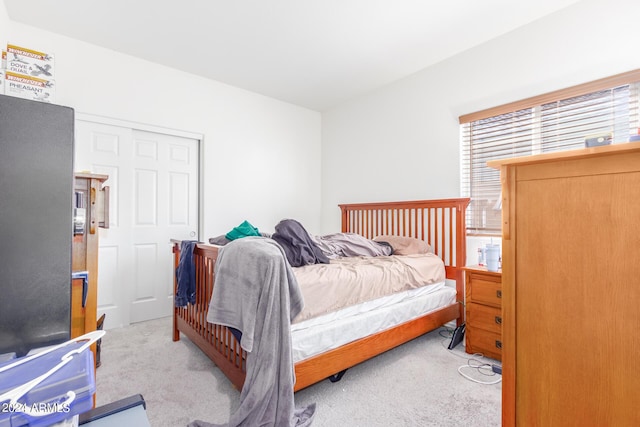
(481, 341)
(484, 291)
(485, 317)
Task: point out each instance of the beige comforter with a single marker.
(353, 280)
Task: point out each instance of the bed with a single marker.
(440, 223)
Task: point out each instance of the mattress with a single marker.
(326, 332)
(350, 281)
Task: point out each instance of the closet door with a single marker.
(153, 182)
(36, 195)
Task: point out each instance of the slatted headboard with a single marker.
(441, 223)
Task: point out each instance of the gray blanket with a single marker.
(256, 292)
(338, 245)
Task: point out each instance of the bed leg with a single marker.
(337, 377)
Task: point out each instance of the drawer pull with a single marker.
(499, 344)
(498, 320)
(499, 293)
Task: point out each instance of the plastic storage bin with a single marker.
(52, 387)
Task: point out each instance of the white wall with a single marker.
(261, 156)
(401, 142)
(4, 24)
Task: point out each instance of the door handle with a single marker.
(498, 320)
(499, 293)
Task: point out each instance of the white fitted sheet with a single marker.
(323, 333)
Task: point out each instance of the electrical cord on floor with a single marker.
(475, 362)
(482, 368)
(447, 332)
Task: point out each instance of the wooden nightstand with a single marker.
(483, 309)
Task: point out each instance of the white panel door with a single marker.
(165, 206)
(153, 180)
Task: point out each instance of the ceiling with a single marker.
(312, 53)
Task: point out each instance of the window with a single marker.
(557, 121)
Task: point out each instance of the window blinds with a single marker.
(552, 122)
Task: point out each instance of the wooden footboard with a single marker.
(215, 341)
(441, 223)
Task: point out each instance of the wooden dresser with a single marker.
(483, 310)
(91, 210)
(570, 269)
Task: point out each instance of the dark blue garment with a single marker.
(236, 333)
(186, 275)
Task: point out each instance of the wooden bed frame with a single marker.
(441, 223)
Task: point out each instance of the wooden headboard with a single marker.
(441, 223)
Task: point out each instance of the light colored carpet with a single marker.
(417, 384)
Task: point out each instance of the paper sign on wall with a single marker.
(30, 62)
(29, 74)
(28, 87)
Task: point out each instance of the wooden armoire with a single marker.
(570, 287)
